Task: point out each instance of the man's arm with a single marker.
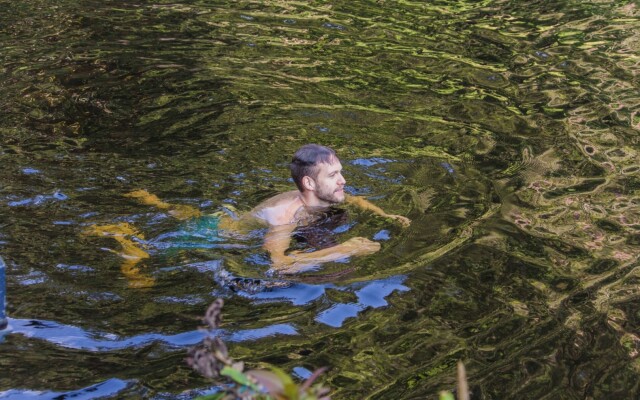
(367, 205)
(277, 240)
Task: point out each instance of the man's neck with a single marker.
(309, 199)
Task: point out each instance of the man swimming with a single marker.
(317, 173)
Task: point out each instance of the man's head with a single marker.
(317, 169)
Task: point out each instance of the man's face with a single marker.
(330, 182)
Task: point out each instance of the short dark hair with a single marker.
(306, 160)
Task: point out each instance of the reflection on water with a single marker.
(371, 294)
(75, 338)
(107, 389)
(506, 131)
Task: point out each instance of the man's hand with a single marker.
(404, 221)
(297, 261)
(367, 205)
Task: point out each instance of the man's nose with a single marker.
(341, 180)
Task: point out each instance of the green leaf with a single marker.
(446, 396)
(291, 390)
(239, 377)
(284, 377)
(215, 396)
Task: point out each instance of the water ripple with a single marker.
(73, 337)
(107, 389)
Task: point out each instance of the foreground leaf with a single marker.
(239, 377)
(446, 396)
(214, 396)
(269, 380)
(290, 389)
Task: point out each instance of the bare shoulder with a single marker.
(281, 198)
(279, 209)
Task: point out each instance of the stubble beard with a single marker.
(331, 196)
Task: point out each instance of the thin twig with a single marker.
(463, 385)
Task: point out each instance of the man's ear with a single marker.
(308, 183)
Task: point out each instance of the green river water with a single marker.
(508, 131)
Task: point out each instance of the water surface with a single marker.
(507, 132)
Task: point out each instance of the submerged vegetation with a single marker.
(211, 359)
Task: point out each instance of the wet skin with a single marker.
(285, 212)
(282, 214)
